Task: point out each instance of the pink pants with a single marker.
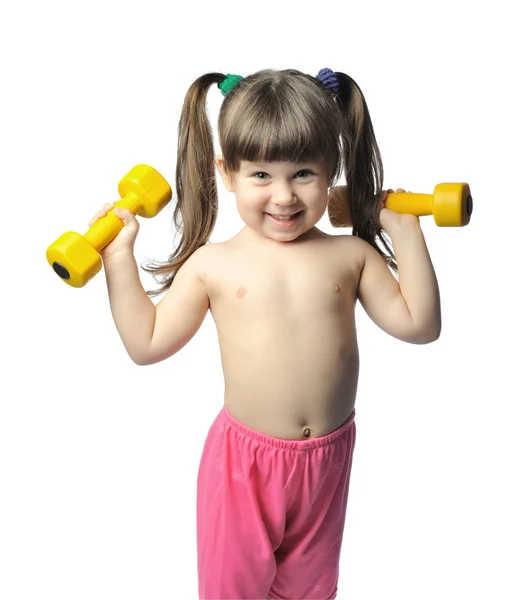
(271, 512)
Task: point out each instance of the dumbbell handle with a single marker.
(419, 205)
(104, 230)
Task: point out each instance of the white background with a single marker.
(98, 456)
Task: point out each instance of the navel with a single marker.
(337, 288)
(240, 292)
(307, 432)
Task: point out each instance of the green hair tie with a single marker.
(228, 83)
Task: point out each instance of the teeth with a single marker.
(283, 218)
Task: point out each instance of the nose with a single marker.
(283, 194)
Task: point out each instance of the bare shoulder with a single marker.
(204, 253)
(353, 249)
(212, 258)
(205, 260)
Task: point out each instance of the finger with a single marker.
(98, 215)
(125, 214)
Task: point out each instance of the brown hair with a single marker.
(273, 116)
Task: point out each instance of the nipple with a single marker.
(307, 432)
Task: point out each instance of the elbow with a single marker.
(421, 333)
(429, 340)
(430, 330)
(141, 360)
(142, 355)
(150, 359)
(141, 363)
(437, 331)
(144, 361)
(428, 336)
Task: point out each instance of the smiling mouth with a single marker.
(286, 221)
(285, 216)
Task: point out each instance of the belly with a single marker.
(291, 385)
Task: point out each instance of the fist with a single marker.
(123, 243)
(390, 219)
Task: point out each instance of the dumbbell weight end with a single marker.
(75, 258)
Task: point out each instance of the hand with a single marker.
(390, 219)
(123, 243)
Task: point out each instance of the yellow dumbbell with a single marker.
(75, 258)
(451, 205)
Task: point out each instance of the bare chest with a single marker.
(286, 329)
(292, 284)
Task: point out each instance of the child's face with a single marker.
(279, 188)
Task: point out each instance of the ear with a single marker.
(227, 180)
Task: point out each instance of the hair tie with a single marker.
(328, 79)
(228, 83)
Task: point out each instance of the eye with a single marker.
(306, 171)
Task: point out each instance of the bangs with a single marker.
(280, 123)
(280, 137)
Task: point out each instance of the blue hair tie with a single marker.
(329, 79)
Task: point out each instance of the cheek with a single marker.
(249, 202)
(251, 197)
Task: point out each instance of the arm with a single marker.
(153, 333)
(410, 309)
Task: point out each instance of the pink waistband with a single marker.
(301, 445)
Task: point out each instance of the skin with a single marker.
(309, 400)
(278, 188)
(283, 301)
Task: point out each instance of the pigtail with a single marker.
(196, 207)
(362, 166)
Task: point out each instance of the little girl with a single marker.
(274, 475)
